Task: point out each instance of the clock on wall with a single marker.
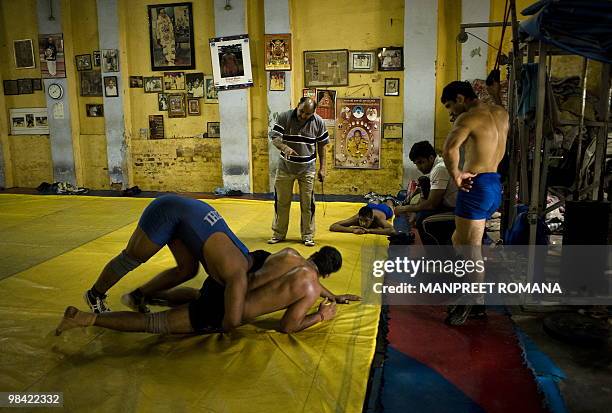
(56, 91)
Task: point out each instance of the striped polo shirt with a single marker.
(302, 138)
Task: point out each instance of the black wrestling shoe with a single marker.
(96, 304)
(135, 301)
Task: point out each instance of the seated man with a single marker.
(442, 190)
(285, 281)
(371, 219)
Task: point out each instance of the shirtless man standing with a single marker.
(482, 130)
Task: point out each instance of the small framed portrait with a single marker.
(110, 86)
(110, 60)
(194, 83)
(24, 54)
(91, 83)
(277, 81)
(210, 91)
(171, 36)
(176, 105)
(278, 52)
(153, 84)
(51, 51)
(94, 110)
(325, 68)
(37, 84)
(83, 62)
(136, 82)
(10, 87)
(156, 126)
(162, 102)
(174, 81)
(393, 130)
(24, 86)
(193, 107)
(231, 62)
(361, 61)
(392, 86)
(96, 58)
(391, 58)
(213, 129)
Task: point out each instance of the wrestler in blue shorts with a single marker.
(482, 200)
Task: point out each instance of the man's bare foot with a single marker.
(74, 318)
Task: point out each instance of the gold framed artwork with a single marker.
(176, 105)
(325, 68)
(358, 141)
(277, 81)
(193, 107)
(278, 52)
(393, 130)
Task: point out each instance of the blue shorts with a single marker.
(382, 207)
(483, 199)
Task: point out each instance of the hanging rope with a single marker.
(501, 41)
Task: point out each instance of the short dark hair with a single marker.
(421, 149)
(494, 77)
(303, 99)
(327, 260)
(455, 88)
(365, 212)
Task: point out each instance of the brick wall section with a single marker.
(182, 165)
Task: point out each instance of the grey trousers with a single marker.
(283, 192)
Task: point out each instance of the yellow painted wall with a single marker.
(346, 24)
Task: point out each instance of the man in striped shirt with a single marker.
(299, 134)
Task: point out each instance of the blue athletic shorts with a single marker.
(382, 207)
(483, 199)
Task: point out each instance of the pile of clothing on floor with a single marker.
(61, 188)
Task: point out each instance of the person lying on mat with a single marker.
(371, 219)
(284, 280)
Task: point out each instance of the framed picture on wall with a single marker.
(277, 81)
(392, 86)
(110, 60)
(176, 105)
(393, 130)
(37, 84)
(325, 68)
(24, 54)
(231, 62)
(361, 61)
(156, 126)
(51, 51)
(136, 82)
(194, 83)
(309, 93)
(174, 81)
(25, 86)
(193, 107)
(391, 58)
(210, 90)
(153, 84)
(162, 102)
(213, 129)
(91, 83)
(278, 52)
(29, 121)
(96, 58)
(171, 36)
(94, 110)
(10, 87)
(110, 86)
(83, 62)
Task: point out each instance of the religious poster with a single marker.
(326, 106)
(278, 52)
(51, 51)
(357, 143)
(231, 62)
(171, 36)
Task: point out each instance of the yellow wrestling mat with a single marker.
(53, 248)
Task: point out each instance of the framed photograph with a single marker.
(51, 51)
(156, 126)
(176, 105)
(326, 106)
(162, 102)
(136, 82)
(213, 129)
(24, 54)
(210, 95)
(110, 60)
(325, 68)
(37, 84)
(83, 62)
(110, 86)
(391, 58)
(277, 81)
(96, 58)
(193, 107)
(278, 52)
(10, 87)
(29, 121)
(357, 142)
(309, 93)
(94, 110)
(153, 84)
(231, 62)
(361, 61)
(194, 83)
(174, 81)
(393, 130)
(171, 36)
(91, 83)
(392, 86)
(24, 86)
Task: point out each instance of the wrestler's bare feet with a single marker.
(74, 318)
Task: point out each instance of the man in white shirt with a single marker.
(442, 193)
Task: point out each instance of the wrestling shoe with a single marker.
(135, 301)
(309, 242)
(96, 304)
(275, 240)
